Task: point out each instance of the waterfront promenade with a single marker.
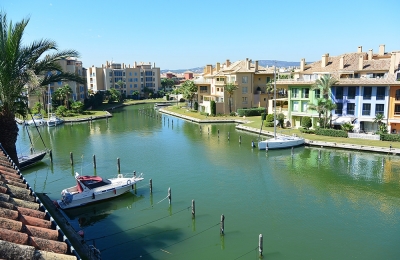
(336, 145)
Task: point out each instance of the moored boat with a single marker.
(90, 189)
(26, 161)
(54, 120)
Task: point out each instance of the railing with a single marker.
(366, 112)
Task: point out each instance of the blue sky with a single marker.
(179, 34)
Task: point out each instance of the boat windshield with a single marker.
(93, 181)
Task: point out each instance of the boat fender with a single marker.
(93, 196)
(128, 182)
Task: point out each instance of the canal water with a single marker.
(315, 204)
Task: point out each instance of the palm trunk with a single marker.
(9, 134)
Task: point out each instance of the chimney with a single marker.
(392, 67)
(102, 66)
(107, 64)
(359, 50)
(209, 69)
(248, 62)
(217, 66)
(341, 63)
(324, 60)
(360, 62)
(129, 66)
(228, 63)
(134, 64)
(302, 64)
(370, 54)
(154, 65)
(256, 66)
(381, 49)
(123, 65)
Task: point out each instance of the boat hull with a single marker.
(98, 194)
(26, 161)
(280, 143)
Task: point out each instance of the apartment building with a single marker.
(368, 84)
(136, 79)
(251, 81)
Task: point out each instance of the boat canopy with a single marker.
(93, 181)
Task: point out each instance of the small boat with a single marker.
(89, 189)
(26, 161)
(54, 120)
(279, 142)
(160, 105)
(36, 120)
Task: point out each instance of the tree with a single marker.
(329, 105)
(189, 90)
(114, 95)
(167, 83)
(378, 119)
(348, 127)
(66, 91)
(77, 107)
(24, 66)
(230, 89)
(136, 93)
(306, 122)
(324, 84)
(319, 107)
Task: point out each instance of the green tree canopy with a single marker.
(230, 89)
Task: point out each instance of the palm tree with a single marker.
(21, 65)
(329, 105)
(230, 89)
(189, 90)
(319, 107)
(324, 84)
(66, 91)
(378, 119)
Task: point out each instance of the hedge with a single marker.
(390, 137)
(331, 132)
(306, 131)
(251, 111)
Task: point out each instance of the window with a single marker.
(130, 73)
(366, 109)
(135, 74)
(110, 74)
(135, 80)
(295, 93)
(397, 110)
(339, 93)
(130, 85)
(350, 108)
(305, 106)
(317, 93)
(217, 89)
(367, 92)
(379, 109)
(244, 100)
(268, 79)
(305, 92)
(244, 90)
(203, 89)
(295, 106)
(351, 93)
(244, 79)
(339, 108)
(380, 93)
(135, 85)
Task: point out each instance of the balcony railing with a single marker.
(366, 112)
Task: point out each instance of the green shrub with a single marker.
(232, 113)
(306, 122)
(270, 118)
(213, 107)
(269, 124)
(306, 131)
(196, 106)
(331, 132)
(281, 119)
(251, 111)
(204, 113)
(390, 137)
(263, 116)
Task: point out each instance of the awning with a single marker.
(343, 119)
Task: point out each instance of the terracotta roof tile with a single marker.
(27, 231)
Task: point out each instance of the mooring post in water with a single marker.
(319, 154)
(229, 136)
(218, 133)
(383, 162)
(151, 186)
(134, 174)
(71, 158)
(94, 161)
(169, 195)
(252, 144)
(292, 151)
(193, 209)
(240, 139)
(200, 129)
(51, 156)
(208, 130)
(260, 244)
(118, 165)
(222, 229)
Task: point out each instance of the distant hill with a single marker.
(263, 63)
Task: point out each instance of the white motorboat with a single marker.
(279, 142)
(54, 120)
(36, 120)
(90, 189)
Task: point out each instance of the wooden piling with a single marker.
(169, 195)
(218, 133)
(208, 130)
(193, 209)
(51, 156)
(319, 154)
(229, 136)
(292, 151)
(260, 244)
(71, 158)
(383, 162)
(118, 165)
(94, 161)
(151, 186)
(252, 144)
(222, 229)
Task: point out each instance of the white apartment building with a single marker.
(135, 78)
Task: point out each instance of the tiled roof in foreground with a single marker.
(27, 231)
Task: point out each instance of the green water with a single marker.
(343, 205)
